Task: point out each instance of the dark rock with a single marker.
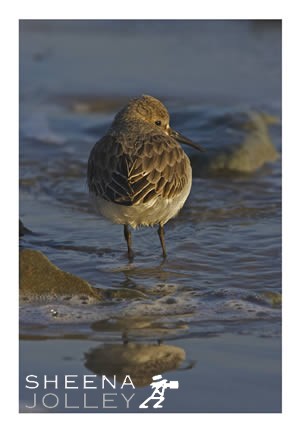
(22, 229)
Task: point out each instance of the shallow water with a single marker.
(223, 271)
(230, 373)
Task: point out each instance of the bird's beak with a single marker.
(180, 138)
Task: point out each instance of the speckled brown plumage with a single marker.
(128, 170)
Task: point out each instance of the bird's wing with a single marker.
(108, 169)
(160, 169)
(157, 167)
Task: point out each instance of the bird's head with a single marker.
(151, 110)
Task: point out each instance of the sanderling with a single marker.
(138, 174)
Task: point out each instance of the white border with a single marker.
(178, 425)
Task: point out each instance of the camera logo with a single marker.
(159, 385)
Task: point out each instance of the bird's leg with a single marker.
(127, 235)
(161, 235)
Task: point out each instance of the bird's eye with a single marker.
(158, 122)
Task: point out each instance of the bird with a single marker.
(137, 173)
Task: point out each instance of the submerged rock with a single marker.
(245, 147)
(40, 277)
(255, 150)
(22, 229)
(274, 298)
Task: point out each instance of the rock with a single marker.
(239, 143)
(274, 298)
(124, 293)
(22, 229)
(255, 150)
(39, 277)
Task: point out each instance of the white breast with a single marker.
(156, 211)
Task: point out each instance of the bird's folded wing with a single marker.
(136, 174)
